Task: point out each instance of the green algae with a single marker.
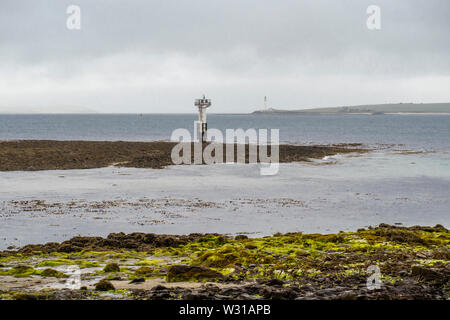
(142, 271)
(111, 267)
(53, 273)
(276, 255)
(432, 262)
(20, 271)
(192, 274)
(104, 285)
(149, 262)
(55, 263)
(32, 296)
(63, 262)
(225, 271)
(27, 271)
(293, 257)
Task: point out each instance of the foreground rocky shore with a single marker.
(32, 155)
(413, 264)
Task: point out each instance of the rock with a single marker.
(211, 287)
(421, 255)
(191, 273)
(104, 285)
(396, 234)
(440, 228)
(252, 289)
(137, 280)
(441, 254)
(53, 273)
(284, 293)
(222, 297)
(218, 259)
(30, 296)
(68, 248)
(274, 282)
(111, 267)
(425, 273)
(136, 240)
(232, 291)
(21, 269)
(195, 296)
(245, 296)
(347, 295)
(143, 271)
(159, 288)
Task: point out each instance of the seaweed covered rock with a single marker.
(413, 261)
(217, 260)
(33, 296)
(19, 271)
(31, 155)
(53, 273)
(137, 280)
(192, 273)
(432, 275)
(104, 285)
(136, 241)
(22, 269)
(111, 267)
(143, 271)
(400, 236)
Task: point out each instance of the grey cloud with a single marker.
(261, 44)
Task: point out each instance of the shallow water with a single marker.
(354, 192)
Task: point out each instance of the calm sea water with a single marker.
(418, 132)
(384, 186)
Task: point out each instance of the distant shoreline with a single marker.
(377, 109)
(352, 113)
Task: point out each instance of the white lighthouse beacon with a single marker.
(202, 104)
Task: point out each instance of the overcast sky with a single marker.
(159, 55)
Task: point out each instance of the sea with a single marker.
(413, 131)
(404, 181)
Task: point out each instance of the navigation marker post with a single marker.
(202, 104)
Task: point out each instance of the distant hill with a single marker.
(368, 109)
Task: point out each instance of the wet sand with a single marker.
(33, 155)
